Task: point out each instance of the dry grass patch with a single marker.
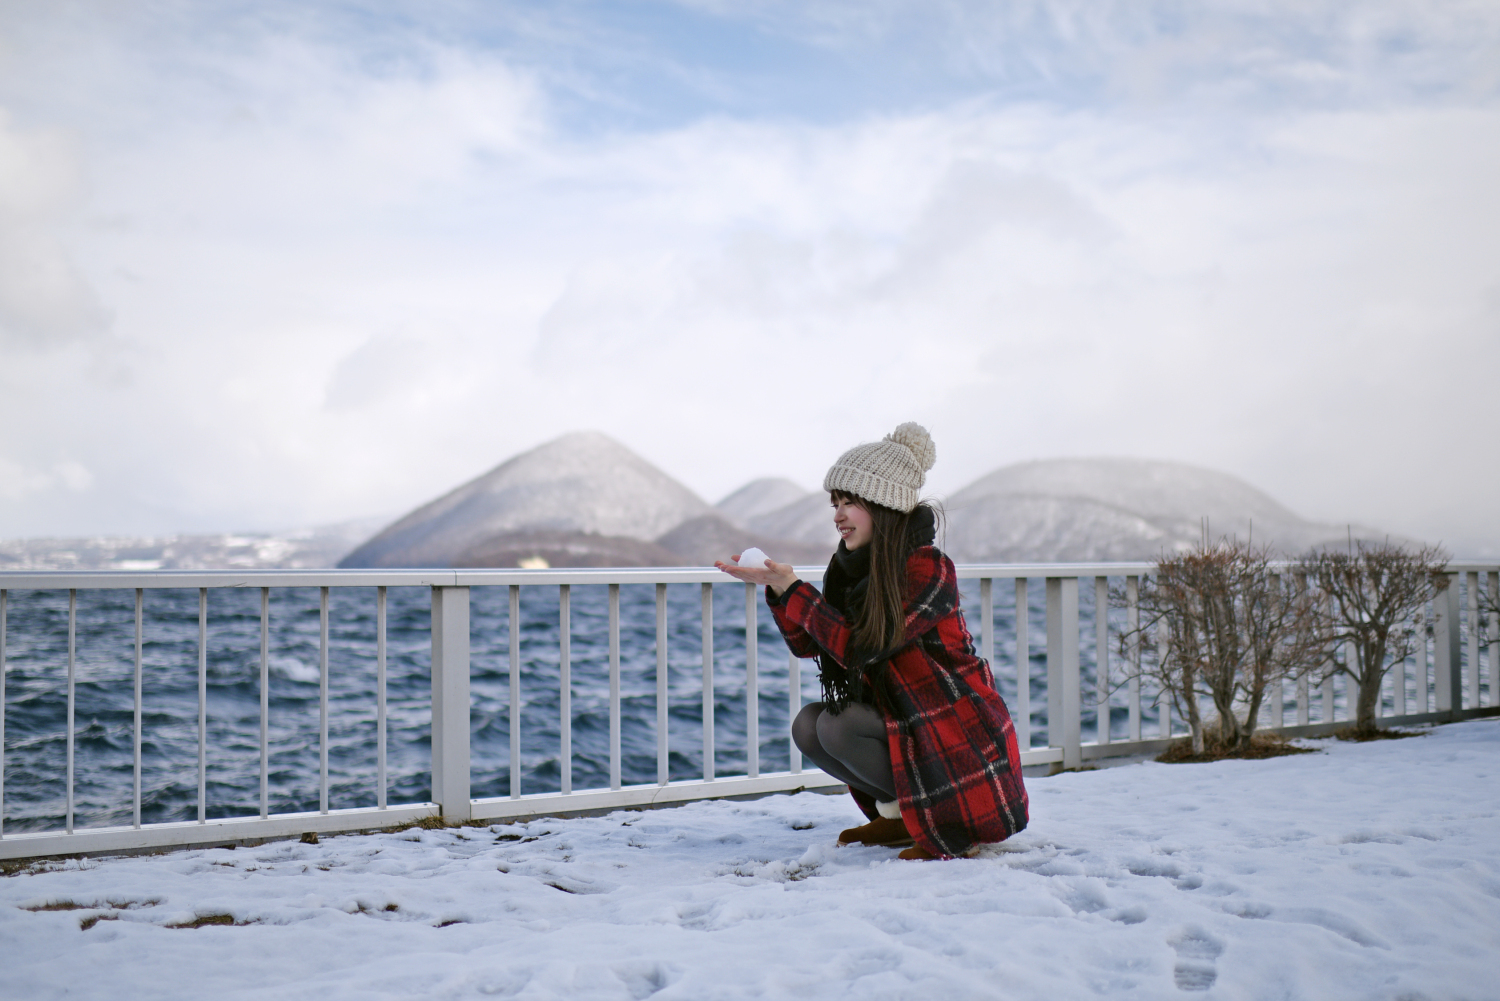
(425, 824)
(73, 905)
(1262, 745)
(203, 920)
(102, 912)
(1375, 733)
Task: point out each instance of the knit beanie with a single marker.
(888, 472)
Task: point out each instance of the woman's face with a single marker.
(853, 522)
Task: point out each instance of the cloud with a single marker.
(384, 370)
(17, 482)
(348, 282)
(44, 297)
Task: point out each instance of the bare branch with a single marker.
(1371, 611)
(1231, 629)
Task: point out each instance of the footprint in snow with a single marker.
(1196, 952)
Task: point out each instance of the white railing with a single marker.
(1065, 709)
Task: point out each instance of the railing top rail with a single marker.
(54, 579)
(87, 579)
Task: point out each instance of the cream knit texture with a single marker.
(889, 472)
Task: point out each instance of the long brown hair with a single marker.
(881, 622)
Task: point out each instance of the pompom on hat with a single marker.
(889, 472)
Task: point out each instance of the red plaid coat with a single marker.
(953, 746)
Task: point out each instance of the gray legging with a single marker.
(851, 746)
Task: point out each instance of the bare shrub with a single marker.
(1372, 602)
(1226, 627)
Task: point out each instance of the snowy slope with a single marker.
(1303, 878)
(1116, 509)
(320, 546)
(759, 497)
(584, 482)
(808, 519)
(711, 537)
(564, 549)
(1079, 510)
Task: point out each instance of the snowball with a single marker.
(753, 557)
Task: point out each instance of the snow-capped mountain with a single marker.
(759, 497)
(1117, 509)
(808, 519)
(580, 483)
(585, 499)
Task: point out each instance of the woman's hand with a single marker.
(777, 576)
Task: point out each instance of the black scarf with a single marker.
(845, 585)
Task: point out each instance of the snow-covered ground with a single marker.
(1365, 872)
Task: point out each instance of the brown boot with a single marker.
(917, 853)
(883, 832)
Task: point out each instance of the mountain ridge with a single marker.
(1106, 509)
(584, 482)
(585, 496)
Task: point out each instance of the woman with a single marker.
(910, 718)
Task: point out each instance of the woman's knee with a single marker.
(842, 733)
(805, 728)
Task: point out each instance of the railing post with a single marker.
(514, 630)
(987, 621)
(1022, 714)
(1062, 669)
(1326, 696)
(1133, 625)
(4, 600)
(202, 705)
(380, 791)
(450, 701)
(1163, 699)
(1304, 699)
(662, 774)
(265, 702)
(614, 686)
(752, 682)
(708, 682)
(1472, 586)
(72, 691)
(793, 706)
(565, 684)
(1419, 668)
(323, 700)
(140, 601)
(1494, 637)
(1101, 659)
(1447, 653)
(1273, 704)
(1398, 687)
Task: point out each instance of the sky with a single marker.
(275, 264)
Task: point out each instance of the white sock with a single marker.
(890, 810)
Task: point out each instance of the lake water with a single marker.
(36, 695)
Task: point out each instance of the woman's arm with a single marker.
(797, 640)
(931, 596)
(778, 579)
